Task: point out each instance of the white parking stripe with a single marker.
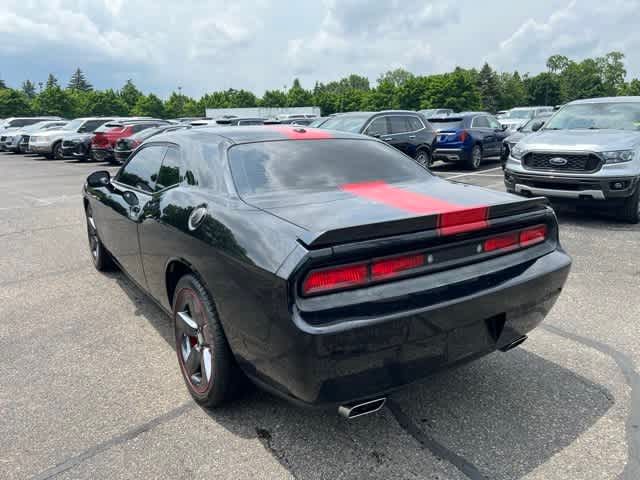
(474, 173)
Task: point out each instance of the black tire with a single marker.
(56, 151)
(102, 260)
(630, 211)
(206, 361)
(475, 158)
(423, 157)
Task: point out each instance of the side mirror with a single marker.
(504, 127)
(99, 179)
(537, 126)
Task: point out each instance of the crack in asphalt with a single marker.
(431, 444)
(114, 441)
(626, 365)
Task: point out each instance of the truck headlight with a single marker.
(618, 156)
(518, 152)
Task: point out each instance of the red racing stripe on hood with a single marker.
(452, 218)
(300, 132)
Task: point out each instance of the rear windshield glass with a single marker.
(446, 123)
(347, 123)
(317, 165)
(108, 127)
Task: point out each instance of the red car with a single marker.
(106, 136)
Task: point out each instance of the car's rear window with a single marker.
(109, 126)
(317, 165)
(446, 123)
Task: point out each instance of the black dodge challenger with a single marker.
(327, 267)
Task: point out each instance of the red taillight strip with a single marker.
(342, 277)
(452, 218)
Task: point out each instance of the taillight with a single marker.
(532, 236)
(463, 135)
(378, 270)
(391, 267)
(503, 242)
(335, 278)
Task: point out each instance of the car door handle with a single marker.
(412, 136)
(386, 139)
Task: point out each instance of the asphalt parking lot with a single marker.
(90, 386)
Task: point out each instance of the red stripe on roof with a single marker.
(452, 218)
(300, 132)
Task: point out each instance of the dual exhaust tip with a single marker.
(359, 409)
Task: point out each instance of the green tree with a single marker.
(489, 87)
(409, 94)
(544, 89)
(274, 98)
(52, 81)
(29, 89)
(174, 107)
(632, 88)
(396, 77)
(149, 106)
(13, 102)
(55, 101)
(298, 96)
(612, 72)
(79, 82)
(130, 94)
(557, 63)
(512, 92)
(240, 99)
(383, 97)
(582, 80)
(102, 103)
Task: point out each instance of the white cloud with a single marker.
(577, 30)
(373, 37)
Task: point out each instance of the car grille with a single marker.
(575, 162)
(24, 139)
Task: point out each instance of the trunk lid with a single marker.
(357, 212)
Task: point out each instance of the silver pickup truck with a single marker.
(588, 151)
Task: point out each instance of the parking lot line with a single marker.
(474, 173)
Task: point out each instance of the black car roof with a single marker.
(250, 134)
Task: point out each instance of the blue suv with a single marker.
(468, 137)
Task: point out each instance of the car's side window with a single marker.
(480, 122)
(378, 127)
(172, 170)
(399, 124)
(141, 172)
(91, 125)
(494, 123)
(415, 123)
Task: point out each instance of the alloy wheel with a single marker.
(92, 232)
(423, 158)
(476, 156)
(192, 343)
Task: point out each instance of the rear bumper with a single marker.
(369, 357)
(450, 154)
(578, 188)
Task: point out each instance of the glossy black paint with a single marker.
(344, 346)
(408, 141)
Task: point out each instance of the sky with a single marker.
(207, 45)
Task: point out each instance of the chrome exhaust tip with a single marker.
(514, 344)
(359, 409)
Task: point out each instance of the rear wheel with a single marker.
(101, 258)
(630, 211)
(423, 157)
(475, 159)
(207, 364)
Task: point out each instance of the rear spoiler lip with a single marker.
(357, 233)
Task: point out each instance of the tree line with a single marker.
(462, 89)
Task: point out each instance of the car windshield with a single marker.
(317, 165)
(596, 116)
(318, 122)
(346, 123)
(74, 124)
(520, 114)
